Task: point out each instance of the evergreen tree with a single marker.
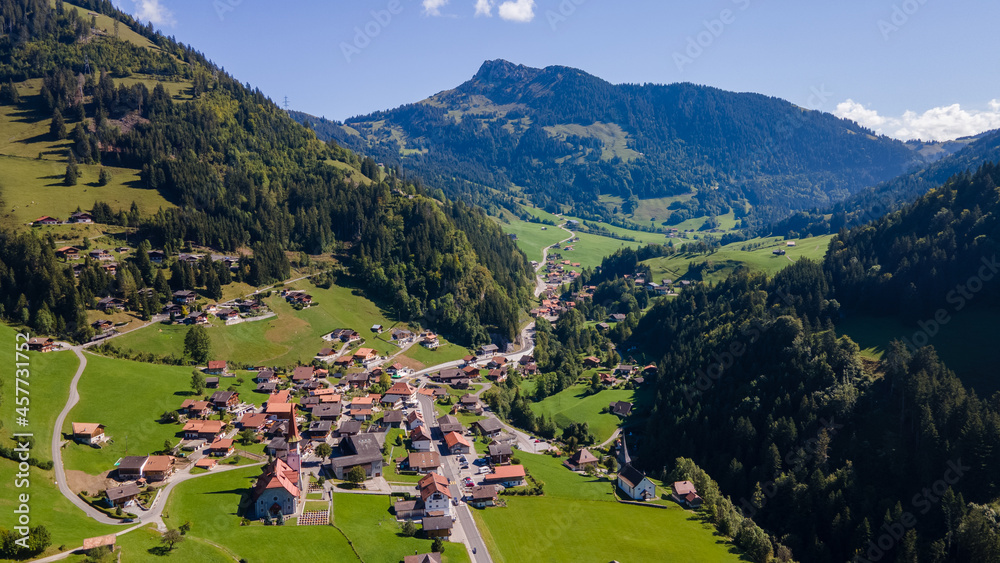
(57, 129)
(197, 344)
(103, 177)
(72, 174)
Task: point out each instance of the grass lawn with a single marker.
(128, 398)
(548, 528)
(731, 256)
(965, 343)
(576, 404)
(31, 188)
(48, 387)
(375, 534)
(426, 357)
(67, 524)
(531, 239)
(290, 337)
(210, 503)
(143, 546)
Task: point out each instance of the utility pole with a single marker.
(286, 103)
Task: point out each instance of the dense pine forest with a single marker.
(825, 450)
(245, 178)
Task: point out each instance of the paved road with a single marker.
(464, 519)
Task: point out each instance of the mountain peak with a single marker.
(501, 70)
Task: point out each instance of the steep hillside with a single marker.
(229, 171)
(559, 136)
(886, 197)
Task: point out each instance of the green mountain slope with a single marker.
(559, 136)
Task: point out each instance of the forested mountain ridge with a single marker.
(563, 137)
(244, 177)
(824, 449)
(886, 197)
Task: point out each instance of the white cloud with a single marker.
(153, 12)
(938, 124)
(433, 7)
(484, 8)
(518, 10)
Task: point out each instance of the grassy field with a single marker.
(965, 343)
(210, 503)
(729, 257)
(30, 188)
(292, 336)
(143, 546)
(447, 352)
(48, 388)
(531, 239)
(375, 534)
(128, 398)
(575, 404)
(549, 528)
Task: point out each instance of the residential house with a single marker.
(121, 496)
(377, 328)
(362, 450)
(225, 400)
(487, 350)
(267, 388)
(326, 411)
(206, 463)
(398, 370)
(449, 423)
(497, 362)
(393, 418)
(617, 318)
(195, 409)
(266, 376)
(207, 430)
(212, 382)
(401, 336)
(45, 220)
(365, 356)
(196, 318)
(414, 419)
(482, 496)
(345, 335)
(685, 494)
(230, 316)
(499, 454)
(131, 467)
(356, 380)
(400, 392)
(158, 467)
(591, 362)
(471, 403)
(620, 408)
(349, 428)
(420, 439)
(581, 460)
(408, 510)
(185, 297)
(435, 495)
(221, 447)
(625, 370)
(506, 475)
(101, 255)
(430, 341)
(326, 355)
(68, 253)
(635, 484)
(277, 491)
(497, 375)
(255, 421)
(41, 344)
(157, 256)
(88, 432)
(216, 367)
(103, 326)
(437, 526)
(302, 374)
(319, 429)
(423, 558)
(457, 444)
(423, 462)
(81, 217)
(449, 375)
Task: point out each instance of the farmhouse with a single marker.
(448, 423)
(400, 392)
(430, 341)
(88, 432)
(68, 252)
(254, 421)
(326, 411)
(437, 526)
(685, 494)
(221, 447)
(581, 460)
(130, 467)
(158, 467)
(195, 409)
(45, 220)
(345, 335)
(471, 403)
(393, 418)
(207, 430)
(185, 297)
(487, 350)
(423, 558)
(216, 367)
(635, 484)
(620, 408)
(223, 400)
(408, 510)
(326, 355)
(302, 374)
(265, 376)
(365, 356)
(355, 380)
(39, 344)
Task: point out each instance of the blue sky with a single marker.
(913, 68)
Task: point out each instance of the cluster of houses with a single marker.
(230, 312)
(79, 217)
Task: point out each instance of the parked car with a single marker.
(468, 482)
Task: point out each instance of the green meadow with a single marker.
(576, 404)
